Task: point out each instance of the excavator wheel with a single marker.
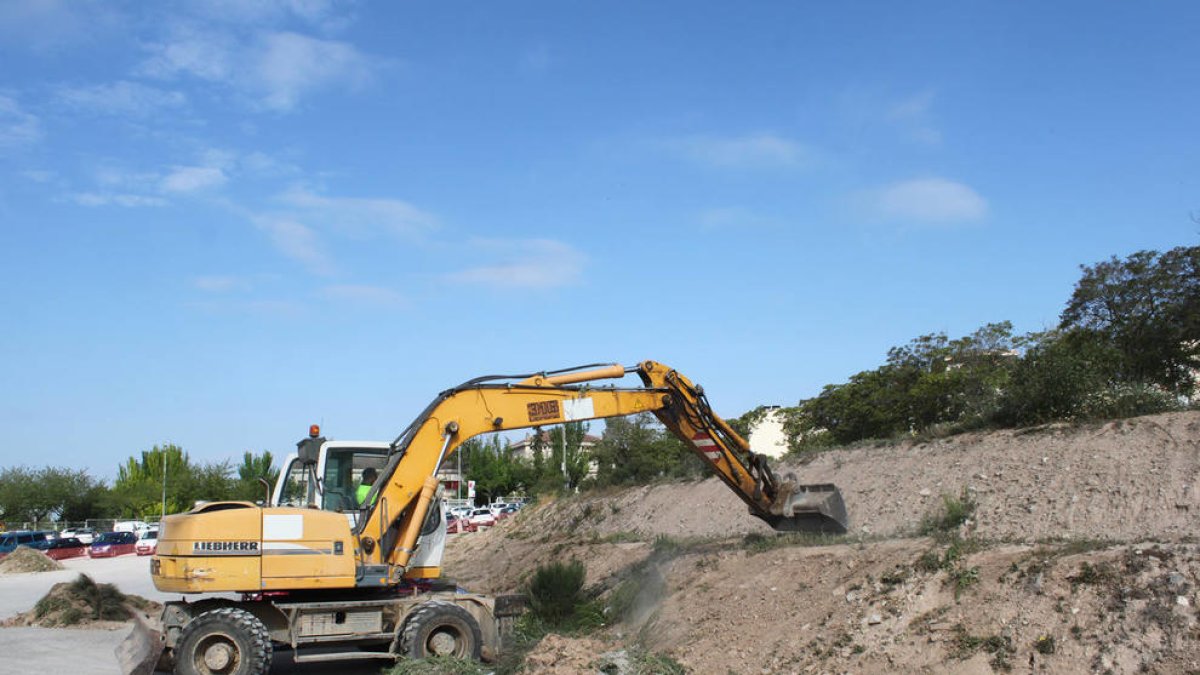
(438, 628)
(224, 641)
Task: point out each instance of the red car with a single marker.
(112, 544)
(458, 525)
(148, 543)
(66, 547)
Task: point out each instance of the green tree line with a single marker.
(1127, 343)
(57, 493)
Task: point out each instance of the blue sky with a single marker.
(224, 221)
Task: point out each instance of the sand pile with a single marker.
(84, 603)
(26, 559)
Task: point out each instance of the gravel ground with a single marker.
(91, 651)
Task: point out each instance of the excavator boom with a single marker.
(399, 499)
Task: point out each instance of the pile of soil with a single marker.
(84, 604)
(558, 655)
(1080, 556)
(26, 559)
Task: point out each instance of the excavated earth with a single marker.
(1080, 557)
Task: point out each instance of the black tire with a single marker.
(439, 628)
(225, 641)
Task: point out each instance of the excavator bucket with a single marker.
(139, 653)
(811, 508)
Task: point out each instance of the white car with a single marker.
(85, 535)
(482, 517)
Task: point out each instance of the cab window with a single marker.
(343, 475)
(298, 489)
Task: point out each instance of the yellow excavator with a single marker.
(337, 578)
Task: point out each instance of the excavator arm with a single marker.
(400, 498)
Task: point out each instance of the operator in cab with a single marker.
(369, 475)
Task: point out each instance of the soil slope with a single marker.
(1080, 558)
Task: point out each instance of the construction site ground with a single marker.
(1080, 557)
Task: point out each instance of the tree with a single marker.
(489, 464)
(566, 444)
(1147, 307)
(637, 449)
(49, 493)
(252, 468)
(931, 380)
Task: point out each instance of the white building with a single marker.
(766, 436)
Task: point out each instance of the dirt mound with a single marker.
(25, 559)
(1079, 556)
(84, 604)
(558, 655)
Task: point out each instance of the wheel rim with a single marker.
(445, 641)
(217, 654)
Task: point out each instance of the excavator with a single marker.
(337, 578)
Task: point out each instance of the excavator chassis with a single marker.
(335, 630)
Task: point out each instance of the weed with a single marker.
(1044, 644)
(955, 512)
(1091, 575)
(757, 542)
(648, 663)
(666, 546)
(621, 537)
(555, 591)
(1000, 647)
(436, 665)
(964, 578)
(1076, 631)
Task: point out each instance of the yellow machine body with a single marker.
(244, 548)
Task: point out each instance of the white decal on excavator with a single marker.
(578, 409)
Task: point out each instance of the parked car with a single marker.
(135, 526)
(147, 543)
(482, 517)
(111, 544)
(66, 547)
(38, 539)
(456, 525)
(84, 534)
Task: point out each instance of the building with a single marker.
(524, 447)
(766, 436)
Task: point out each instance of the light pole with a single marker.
(566, 478)
(164, 501)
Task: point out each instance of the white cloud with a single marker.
(121, 98)
(17, 127)
(361, 217)
(321, 13)
(183, 179)
(116, 199)
(205, 54)
(49, 25)
(525, 263)
(362, 294)
(296, 241)
(752, 151)
(913, 116)
(731, 218)
(927, 200)
(219, 283)
(39, 175)
(275, 69)
(288, 66)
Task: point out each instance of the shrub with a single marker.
(556, 590)
(955, 512)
